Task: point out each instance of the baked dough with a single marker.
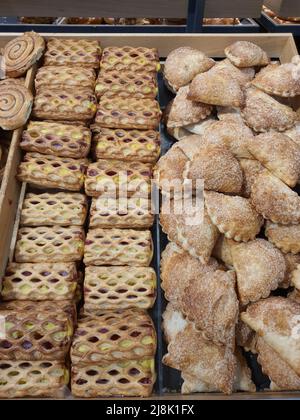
(284, 237)
(246, 54)
(65, 77)
(135, 59)
(251, 169)
(291, 262)
(15, 105)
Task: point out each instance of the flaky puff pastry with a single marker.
(183, 64)
(279, 154)
(277, 321)
(233, 215)
(274, 200)
(263, 113)
(260, 268)
(279, 79)
(284, 237)
(251, 168)
(246, 54)
(210, 301)
(183, 111)
(191, 228)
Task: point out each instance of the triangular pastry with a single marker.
(284, 237)
(251, 168)
(242, 75)
(246, 54)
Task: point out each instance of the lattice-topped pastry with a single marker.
(114, 337)
(53, 172)
(51, 138)
(111, 177)
(40, 281)
(72, 52)
(121, 213)
(65, 77)
(34, 335)
(133, 378)
(33, 379)
(63, 104)
(15, 105)
(62, 209)
(128, 84)
(139, 145)
(21, 53)
(119, 288)
(118, 112)
(136, 59)
(118, 247)
(49, 244)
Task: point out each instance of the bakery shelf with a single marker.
(271, 26)
(284, 7)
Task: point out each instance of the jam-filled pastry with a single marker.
(15, 105)
(274, 200)
(51, 138)
(72, 52)
(282, 376)
(246, 54)
(284, 237)
(116, 112)
(251, 169)
(260, 268)
(127, 84)
(53, 172)
(56, 281)
(279, 154)
(263, 113)
(184, 111)
(49, 244)
(183, 64)
(216, 88)
(192, 228)
(217, 166)
(279, 79)
(277, 321)
(65, 77)
(21, 53)
(178, 269)
(210, 301)
(63, 104)
(234, 216)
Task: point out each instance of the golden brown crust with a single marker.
(274, 200)
(222, 251)
(295, 277)
(136, 59)
(251, 169)
(246, 54)
(294, 133)
(284, 237)
(260, 268)
(65, 77)
(233, 215)
(242, 75)
(245, 337)
(15, 106)
(291, 262)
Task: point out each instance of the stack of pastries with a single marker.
(238, 133)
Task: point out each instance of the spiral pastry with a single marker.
(21, 53)
(15, 105)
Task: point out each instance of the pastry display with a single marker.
(127, 84)
(15, 105)
(21, 53)
(133, 145)
(65, 77)
(118, 112)
(53, 172)
(110, 177)
(49, 244)
(40, 282)
(63, 104)
(72, 52)
(137, 60)
(113, 288)
(130, 213)
(118, 247)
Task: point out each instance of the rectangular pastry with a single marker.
(54, 138)
(116, 288)
(111, 178)
(104, 339)
(130, 378)
(40, 282)
(49, 244)
(128, 84)
(34, 335)
(138, 145)
(134, 59)
(20, 379)
(116, 112)
(72, 52)
(50, 209)
(65, 77)
(53, 172)
(63, 104)
(118, 247)
(130, 213)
